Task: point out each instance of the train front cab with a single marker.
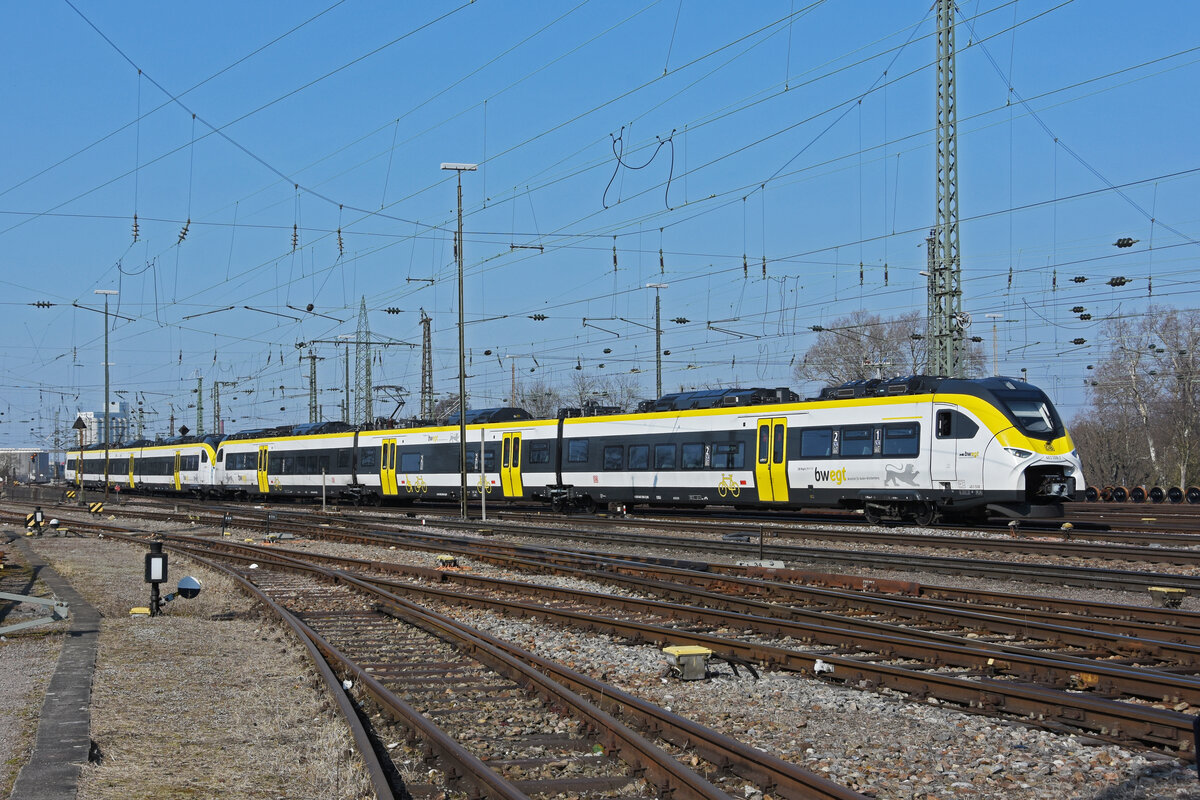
(1025, 464)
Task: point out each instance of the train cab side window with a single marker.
(539, 453)
(816, 443)
(639, 456)
(577, 451)
(614, 457)
(955, 425)
(693, 456)
(945, 424)
(203, 456)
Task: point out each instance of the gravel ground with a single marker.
(211, 699)
(26, 662)
(880, 744)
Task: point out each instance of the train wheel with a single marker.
(925, 514)
(589, 504)
(557, 505)
(871, 515)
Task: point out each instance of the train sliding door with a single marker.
(510, 466)
(770, 469)
(178, 484)
(131, 466)
(263, 485)
(387, 469)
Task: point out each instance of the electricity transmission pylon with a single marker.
(946, 319)
(362, 368)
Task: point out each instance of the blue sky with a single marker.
(799, 133)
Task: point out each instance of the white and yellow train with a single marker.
(915, 448)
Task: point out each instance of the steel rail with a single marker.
(1118, 721)
(379, 780)
(672, 778)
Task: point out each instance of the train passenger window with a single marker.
(816, 443)
(411, 462)
(369, 457)
(614, 456)
(577, 451)
(692, 456)
(323, 463)
(639, 456)
(664, 456)
(856, 442)
(343, 460)
(539, 453)
(729, 455)
(489, 459)
(902, 440)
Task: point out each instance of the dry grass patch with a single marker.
(211, 699)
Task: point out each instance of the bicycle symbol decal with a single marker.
(415, 485)
(728, 486)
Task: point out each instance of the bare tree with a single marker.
(538, 398)
(864, 345)
(1145, 397)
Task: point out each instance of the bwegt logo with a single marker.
(835, 475)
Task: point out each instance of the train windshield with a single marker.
(1033, 413)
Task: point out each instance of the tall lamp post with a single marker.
(106, 293)
(657, 336)
(462, 360)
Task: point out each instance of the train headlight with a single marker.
(1020, 454)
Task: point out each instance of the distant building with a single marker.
(25, 465)
(120, 425)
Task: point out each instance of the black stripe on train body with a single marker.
(909, 448)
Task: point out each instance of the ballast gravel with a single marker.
(881, 744)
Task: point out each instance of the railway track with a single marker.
(753, 543)
(986, 677)
(984, 655)
(500, 719)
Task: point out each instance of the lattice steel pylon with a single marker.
(314, 409)
(945, 319)
(362, 368)
(426, 367)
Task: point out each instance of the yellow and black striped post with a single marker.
(70, 494)
(96, 508)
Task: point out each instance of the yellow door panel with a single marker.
(770, 463)
(263, 485)
(387, 468)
